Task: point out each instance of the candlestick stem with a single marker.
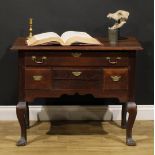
(30, 28)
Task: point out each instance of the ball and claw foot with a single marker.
(21, 142)
(130, 142)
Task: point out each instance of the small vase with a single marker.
(113, 36)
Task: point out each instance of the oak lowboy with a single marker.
(104, 71)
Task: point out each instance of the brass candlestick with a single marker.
(30, 27)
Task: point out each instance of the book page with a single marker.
(46, 35)
(44, 38)
(71, 37)
(69, 34)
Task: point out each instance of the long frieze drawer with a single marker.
(83, 73)
(38, 78)
(77, 85)
(75, 59)
(115, 79)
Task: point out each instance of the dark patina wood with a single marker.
(124, 113)
(103, 71)
(130, 44)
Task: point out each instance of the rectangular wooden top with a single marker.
(128, 44)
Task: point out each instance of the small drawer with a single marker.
(115, 79)
(80, 73)
(36, 60)
(115, 60)
(38, 78)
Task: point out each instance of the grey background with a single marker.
(80, 15)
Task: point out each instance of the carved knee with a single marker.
(21, 105)
(132, 107)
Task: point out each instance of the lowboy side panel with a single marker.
(132, 70)
(21, 76)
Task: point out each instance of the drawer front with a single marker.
(115, 79)
(38, 78)
(75, 59)
(80, 73)
(77, 78)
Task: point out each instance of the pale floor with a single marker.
(76, 138)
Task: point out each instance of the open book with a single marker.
(67, 38)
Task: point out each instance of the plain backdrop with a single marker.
(78, 15)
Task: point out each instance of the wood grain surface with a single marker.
(76, 138)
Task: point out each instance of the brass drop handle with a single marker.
(39, 61)
(37, 77)
(115, 78)
(76, 54)
(113, 62)
(76, 73)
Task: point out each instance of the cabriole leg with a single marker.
(21, 114)
(132, 110)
